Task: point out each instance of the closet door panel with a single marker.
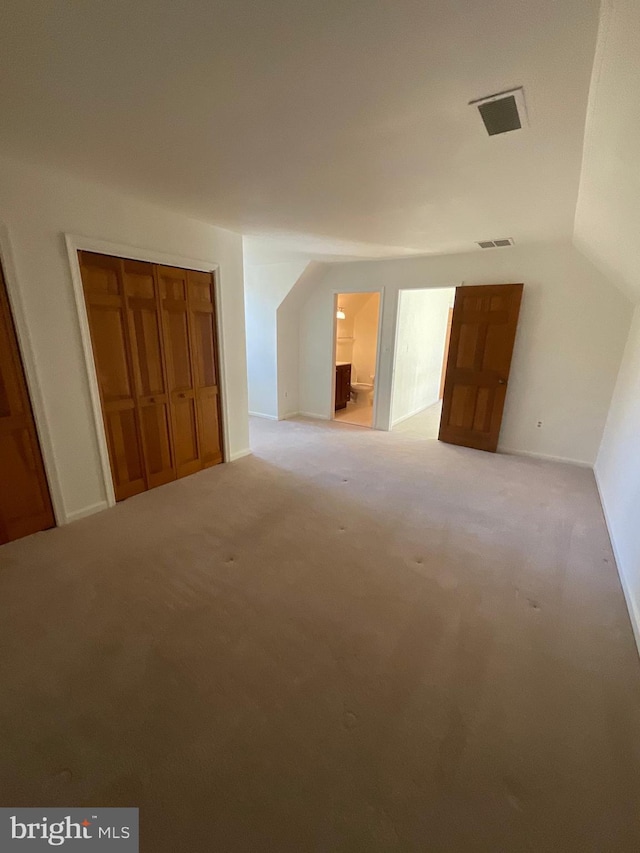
(107, 314)
(126, 460)
(203, 322)
(185, 419)
(107, 321)
(156, 429)
(211, 438)
(147, 347)
(154, 337)
(178, 348)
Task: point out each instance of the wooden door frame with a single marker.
(76, 243)
(32, 379)
(334, 326)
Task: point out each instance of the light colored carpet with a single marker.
(351, 641)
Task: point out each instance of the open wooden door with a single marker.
(483, 332)
(25, 505)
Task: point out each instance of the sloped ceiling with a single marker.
(607, 225)
(340, 120)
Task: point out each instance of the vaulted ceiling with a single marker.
(341, 123)
(607, 225)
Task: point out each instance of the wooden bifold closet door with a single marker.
(153, 330)
(25, 505)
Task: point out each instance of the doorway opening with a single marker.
(357, 329)
(422, 345)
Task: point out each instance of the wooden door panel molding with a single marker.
(103, 282)
(76, 244)
(154, 337)
(179, 345)
(202, 315)
(143, 304)
(25, 502)
(209, 427)
(483, 331)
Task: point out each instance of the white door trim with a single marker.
(29, 364)
(77, 243)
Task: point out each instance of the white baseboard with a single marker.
(238, 454)
(288, 415)
(262, 415)
(634, 614)
(314, 415)
(412, 414)
(84, 512)
(546, 456)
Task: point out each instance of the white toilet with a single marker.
(363, 390)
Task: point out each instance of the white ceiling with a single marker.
(340, 125)
(608, 210)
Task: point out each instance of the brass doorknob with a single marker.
(502, 381)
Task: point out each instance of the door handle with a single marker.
(502, 381)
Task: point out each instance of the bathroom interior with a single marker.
(357, 322)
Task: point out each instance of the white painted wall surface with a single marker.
(420, 339)
(288, 351)
(606, 229)
(618, 471)
(572, 330)
(265, 288)
(38, 207)
(608, 208)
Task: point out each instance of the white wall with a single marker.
(618, 471)
(365, 341)
(37, 208)
(420, 340)
(606, 228)
(265, 286)
(288, 350)
(608, 208)
(571, 335)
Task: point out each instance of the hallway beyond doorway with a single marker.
(424, 425)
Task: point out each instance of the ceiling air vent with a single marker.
(496, 244)
(502, 112)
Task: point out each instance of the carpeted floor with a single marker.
(350, 641)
